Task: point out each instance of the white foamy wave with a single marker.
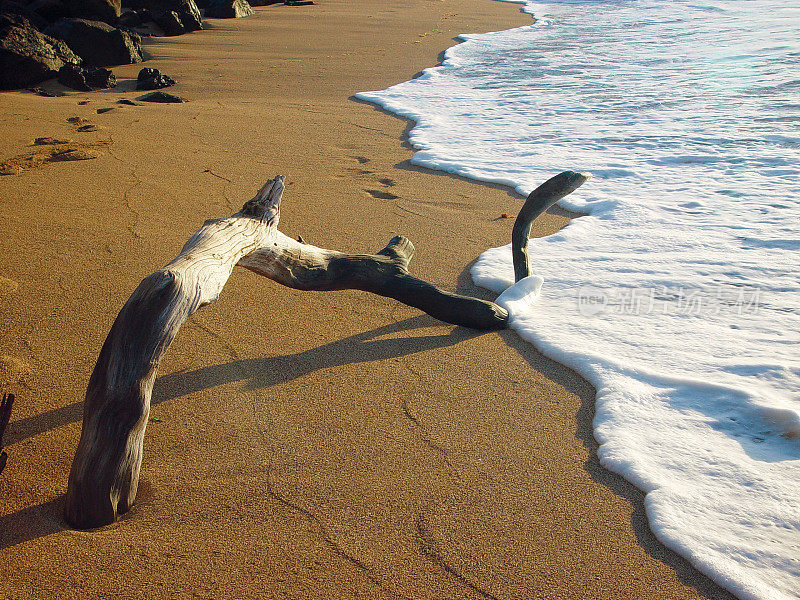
(678, 295)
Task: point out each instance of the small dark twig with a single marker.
(5, 417)
(210, 172)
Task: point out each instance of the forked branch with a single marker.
(305, 267)
(105, 471)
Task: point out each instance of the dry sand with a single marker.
(303, 445)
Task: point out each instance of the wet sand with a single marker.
(302, 445)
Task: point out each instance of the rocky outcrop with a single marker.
(97, 43)
(28, 56)
(96, 10)
(86, 80)
(188, 12)
(15, 9)
(100, 10)
(174, 17)
(228, 9)
(169, 22)
(134, 18)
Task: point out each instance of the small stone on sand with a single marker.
(160, 97)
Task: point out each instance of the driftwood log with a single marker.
(5, 416)
(105, 471)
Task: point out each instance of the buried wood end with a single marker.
(5, 416)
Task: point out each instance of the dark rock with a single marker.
(106, 109)
(298, 2)
(228, 9)
(49, 11)
(264, 2)
(152, 79)
(73, 77)
(102, 10)
(100, 78)
(169, 22)
(137, 4)
(189, 14)
(86, 80)
(98, 43)
(28, 56)
(15, 14)
(96, 10)
(128, 102)
(132, 18)
(160, 97)
(43, 92)
(186, 18)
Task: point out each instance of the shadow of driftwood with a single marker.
(259, 373)
(31, 523)
(30, 426)
(45, 519)
(266, 372)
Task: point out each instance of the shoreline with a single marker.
(314, 445)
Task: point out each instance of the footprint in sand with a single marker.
(75, 154)
(386, 181)
(83, 125)
(50, 150)
(49, 141)
(381, 195)
(12, 370)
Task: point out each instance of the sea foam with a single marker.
(677, 294)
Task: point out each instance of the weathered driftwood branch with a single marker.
(5, 416)
(539, 200)
(105, 471)
(305, 267)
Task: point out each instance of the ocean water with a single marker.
(677, 295)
